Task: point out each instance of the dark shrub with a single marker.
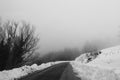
(17, 42)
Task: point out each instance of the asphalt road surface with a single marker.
(51, 73)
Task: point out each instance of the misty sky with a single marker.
(66, 23)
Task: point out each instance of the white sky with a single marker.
(66, 23)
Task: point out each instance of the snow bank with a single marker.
(106, 58)
(87, 72)
(25, 70)
(109, 58)
(104, 66)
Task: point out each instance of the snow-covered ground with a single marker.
(106, 65)
(103, 65)
(25, 70)
(106, 58)
(88, 72)
(109, 58)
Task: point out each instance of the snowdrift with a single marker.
(109, 58)
(25, 70)
(87, 72)
(104, 66)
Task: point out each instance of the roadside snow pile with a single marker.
(109, 58)
(25, 70)
(104, 66)
(87, 72)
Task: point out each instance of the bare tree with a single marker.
(17, 42)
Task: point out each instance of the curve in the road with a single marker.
(51, 73)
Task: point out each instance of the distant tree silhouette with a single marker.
(62, 55)
(91, 47)
(17, 42)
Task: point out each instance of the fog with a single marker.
(67, 23)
